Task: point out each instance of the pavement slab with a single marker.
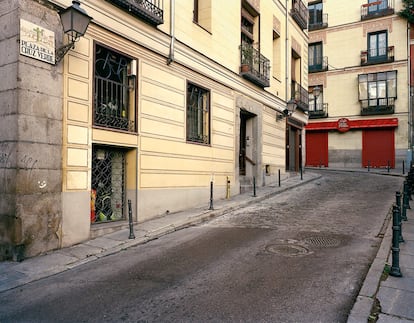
(396, 302)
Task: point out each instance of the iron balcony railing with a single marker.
(301, 96)
(300, 13)
(151, 11)
(318, 23)
(377, 106)
(377, 55)
(377, 9)
(318, 111)
(254, 66)
(318, 64)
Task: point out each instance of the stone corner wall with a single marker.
(30, 139)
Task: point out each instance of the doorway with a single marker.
(247, 158)
(293, 148)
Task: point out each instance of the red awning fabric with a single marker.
(354, 124)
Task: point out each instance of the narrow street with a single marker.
(300, 256)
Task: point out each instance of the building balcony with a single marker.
(318, 111)
(377, 56)
(299, 13)
(151, 11)
(377, 9)
(377, 106)
(320, 23)
(301, 96)
(254, 66)
(318, 64)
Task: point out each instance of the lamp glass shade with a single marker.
(75, 21)
(291, 106)
(316, 91)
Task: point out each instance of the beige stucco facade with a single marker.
(159, 169)
(348, 41)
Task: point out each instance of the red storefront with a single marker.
(378, 143)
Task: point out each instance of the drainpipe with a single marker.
(287, 54)
(172, 32)
(410, 112)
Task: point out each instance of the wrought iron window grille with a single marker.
(112, 91)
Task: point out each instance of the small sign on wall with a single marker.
(37, 42)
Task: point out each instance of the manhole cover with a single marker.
(287, 249)
(322, 241)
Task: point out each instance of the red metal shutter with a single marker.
(378, 148)
(317, 148)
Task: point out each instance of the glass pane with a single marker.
(363, 91)
(373, 50)
(382, 44)
(392, 88)
(372, 90)
(362, 78)
(381, 76)
(381, 88)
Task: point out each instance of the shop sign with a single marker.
(343, 125)
(37, 42)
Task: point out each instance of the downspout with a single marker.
(287, 53)
(172, 32)
(410, 112)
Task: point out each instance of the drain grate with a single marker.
(322, 241)
(286, 249)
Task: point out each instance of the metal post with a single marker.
(211, 196)
(403, 167)
(395, 268)
(131, 225)
(398, 210)
(406, 201)
(301, 173)
(369, 164)
(388, 166)
(254, 186)
(278, 173)
(228, 188)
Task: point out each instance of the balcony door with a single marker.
(315, 14)
(377, 45)
(315, 56)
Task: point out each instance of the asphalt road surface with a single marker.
(298, 257)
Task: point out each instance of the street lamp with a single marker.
(290, 108)
(75, 21)
(316, 92)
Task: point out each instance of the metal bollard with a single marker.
(131, 225)
(278, 172)
(369, 164)
(211, 196)
(388, 166)
(254, 186)
(228, 188)
(395, 268)
(403, 167)
(398, 211)
(403, 211)
(406, 196)
(301, 173)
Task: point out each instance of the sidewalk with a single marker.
(14, 274)
(383, 298)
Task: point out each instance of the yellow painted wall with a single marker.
(166, 167)
(343, 41)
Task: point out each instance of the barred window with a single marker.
(114, 90)
(198, 114)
